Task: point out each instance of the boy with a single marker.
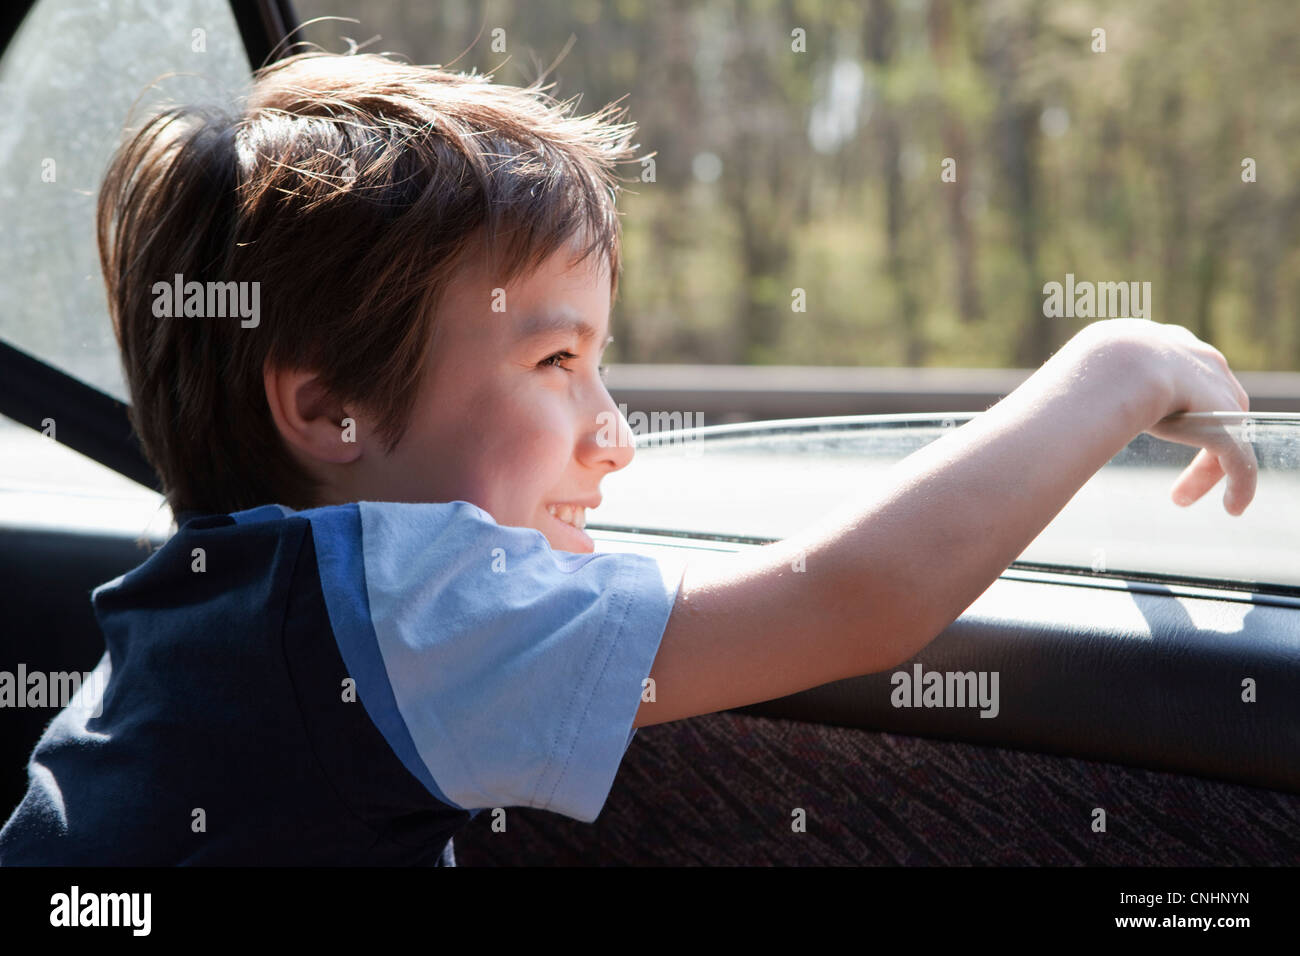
(380, 613)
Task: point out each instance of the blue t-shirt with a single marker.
(344, 685)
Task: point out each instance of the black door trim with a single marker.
(85, 419)
(269, 29)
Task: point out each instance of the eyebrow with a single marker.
(538, 325)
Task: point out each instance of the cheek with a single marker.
(530, 445)
(489, 431)
(506, 448)
(446, 442)
(533, 439)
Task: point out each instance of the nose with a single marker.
(610, 444)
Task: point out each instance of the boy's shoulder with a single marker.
(378, 563)
(501, 671)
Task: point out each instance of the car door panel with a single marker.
(722, 790)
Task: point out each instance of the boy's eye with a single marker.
(554, 361)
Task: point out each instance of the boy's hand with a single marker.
(1196, 379)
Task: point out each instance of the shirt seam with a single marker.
(453, 744)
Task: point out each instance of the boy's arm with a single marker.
(884, 577)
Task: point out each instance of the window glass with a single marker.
(763, 482)
(68, 81)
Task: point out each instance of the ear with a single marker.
(308, 418)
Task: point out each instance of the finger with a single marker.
(1242, 467)
(1245, 397)
(1197, 478)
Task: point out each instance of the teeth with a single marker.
(569, 514)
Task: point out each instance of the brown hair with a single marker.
(349, 187)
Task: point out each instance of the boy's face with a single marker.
(512, 413)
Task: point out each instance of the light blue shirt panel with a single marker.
(518, 669)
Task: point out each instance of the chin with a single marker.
(570, 546)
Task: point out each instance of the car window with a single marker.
(68, 80)
(765, 481)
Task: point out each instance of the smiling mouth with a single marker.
(573, 515)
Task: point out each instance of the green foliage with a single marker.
(1123, 165)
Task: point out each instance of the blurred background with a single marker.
(821, 170)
